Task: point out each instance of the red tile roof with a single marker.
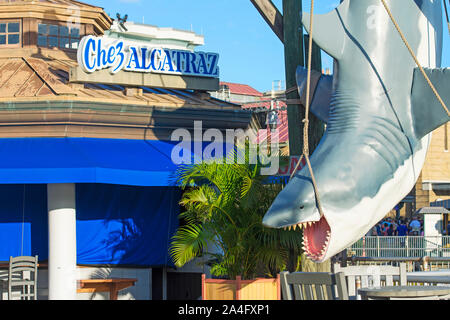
(283, 131)
(237, 88)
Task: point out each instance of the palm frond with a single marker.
(188, 243)
(225, 203)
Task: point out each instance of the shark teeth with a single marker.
(316, 239)
(301, 225)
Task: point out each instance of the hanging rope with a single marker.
(306, 120)
(414, 57)
(446, 14)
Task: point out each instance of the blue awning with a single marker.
(116, 224)
(86, 160)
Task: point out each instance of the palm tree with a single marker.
(224, 210)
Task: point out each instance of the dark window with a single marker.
(52, 41)
(64, 31)
(13, 27)
(53, 30)
(64, 37)
(10, 33)
(13, 38)
(42, 41)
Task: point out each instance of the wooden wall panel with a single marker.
(258, 289)
(221, 291)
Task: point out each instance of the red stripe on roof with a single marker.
(244, 89)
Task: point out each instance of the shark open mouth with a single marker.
(316, 238)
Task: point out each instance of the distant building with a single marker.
(261, 104)
(237, 93)
(170, 38)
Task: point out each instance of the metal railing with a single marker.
(412, 264)
(405, 247)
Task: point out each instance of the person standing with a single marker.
(402, 229)
(402, 232)
(390, 230)
(415, 226)
(374, 231)
(378, 226)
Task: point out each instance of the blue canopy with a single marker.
(116, 225)
(86, 160)
(126, 198)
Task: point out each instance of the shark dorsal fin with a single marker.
(428, 114)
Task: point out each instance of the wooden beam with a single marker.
(271, 15)
(317, 127)
(293, 56)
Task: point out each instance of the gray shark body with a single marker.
(379, 113)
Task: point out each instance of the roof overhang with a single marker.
(433, 210)
(75, 117)
(429, 185)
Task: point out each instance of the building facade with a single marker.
(434, 182)
(87, 170)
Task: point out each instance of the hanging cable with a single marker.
(446, 14)
(430, 84)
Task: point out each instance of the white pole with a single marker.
(62, 250)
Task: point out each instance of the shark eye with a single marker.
(302, 207)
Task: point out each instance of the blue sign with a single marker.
(97, 53)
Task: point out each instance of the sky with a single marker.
(250, 53)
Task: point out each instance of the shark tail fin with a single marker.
(321, 90)
(428, 114)
(329, 30)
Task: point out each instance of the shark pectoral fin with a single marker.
(427, 112)
(321, 90)
(320, 105)
(328, 30)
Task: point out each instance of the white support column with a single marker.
(62, 249)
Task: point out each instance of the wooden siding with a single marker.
(436, 168)
(262, 289)
(437, 165)
(257, 289)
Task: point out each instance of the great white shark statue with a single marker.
(380, 113)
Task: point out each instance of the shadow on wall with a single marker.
(125, 225)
